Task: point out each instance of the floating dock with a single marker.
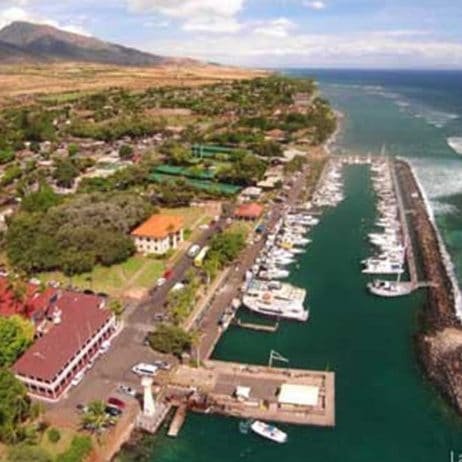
(257, 327)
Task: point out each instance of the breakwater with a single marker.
(439, 342)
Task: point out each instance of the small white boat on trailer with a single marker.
(269, 432)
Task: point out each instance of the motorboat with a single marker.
(268, 431)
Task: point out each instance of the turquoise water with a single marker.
(386, 411)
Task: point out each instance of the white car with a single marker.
(126, 390)
(143, 369)
(78, 378)
(104, 348)
(161, 282)
(193, 251)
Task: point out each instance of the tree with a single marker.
(65, 173)
(126, 152)
(41, 200)
(73, 150)
(14, 407)
(16, 334)
(95, 417)
(117, 308)
(54, 435)
(170, 339)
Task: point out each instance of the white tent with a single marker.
(242, 392)
(298, 395)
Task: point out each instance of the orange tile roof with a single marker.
(250, 210)
(159, 226)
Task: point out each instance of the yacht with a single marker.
(269, 432)
(276, 299)
(389, 288)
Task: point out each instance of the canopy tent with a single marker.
(298, 395)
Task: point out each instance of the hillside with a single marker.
(23, 41)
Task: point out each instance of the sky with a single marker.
(267, 33)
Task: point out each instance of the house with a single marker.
(276, 135)
(250, 193)
(159, 234)
(249, 211)
(69, 337)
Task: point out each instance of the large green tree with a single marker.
(16, 334)
(14, 407)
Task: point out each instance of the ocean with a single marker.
(386, 410)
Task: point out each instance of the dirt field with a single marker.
(19, 82)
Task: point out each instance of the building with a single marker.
(249, 211)
(295, 395)
(69, 337)
(250, 193)
(159, 234)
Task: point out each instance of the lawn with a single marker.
(62, 445)
(136, 274)
(192, 216)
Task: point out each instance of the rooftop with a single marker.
(249, 210)
(82, 316)
(159, 226)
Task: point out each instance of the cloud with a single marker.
(315, 5)
(213, 16)
(280, 27)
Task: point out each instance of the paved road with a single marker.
(231, 288)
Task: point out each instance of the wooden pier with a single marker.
(257, 327)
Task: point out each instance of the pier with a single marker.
(178, 421)
(246, 391)
(257, 327)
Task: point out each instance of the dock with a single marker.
(178, 421)
(214, 387)
(257, 327)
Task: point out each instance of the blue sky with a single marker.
(272, 33)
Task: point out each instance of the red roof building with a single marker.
(249, 211)
(70, 336)
(33, 306)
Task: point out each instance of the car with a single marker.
(126, 390)
(160, 282)
(78, 378)
(116, 402)
(160, 317)
(104, 348)
(163, 365)
(82, 408)
(144, 369)
(113, 411)
(193, 251)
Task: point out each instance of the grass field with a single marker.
(136, 274)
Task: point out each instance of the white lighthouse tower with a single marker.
(149, 405)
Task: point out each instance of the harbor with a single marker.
(243, 389)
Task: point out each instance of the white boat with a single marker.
(274, 273)
(276, 299)
(390, 288)
(269, 432)
(384, 267)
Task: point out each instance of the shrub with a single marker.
(54, 435)
(80, 448)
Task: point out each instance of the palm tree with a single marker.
(95, 417)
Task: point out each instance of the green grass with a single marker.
(136, 273)
(192, 216)
(62, 445)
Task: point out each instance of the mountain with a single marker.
(21, 41)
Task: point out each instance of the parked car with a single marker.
(126, 390)
(160, 282)
(163, 365)
(104, 348)
(78, 378)
(193, 251)
(116, 402)
(143, 369)
(113, 411)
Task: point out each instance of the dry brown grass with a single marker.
(23, 82)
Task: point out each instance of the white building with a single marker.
(159, 234)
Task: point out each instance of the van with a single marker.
(142, 369)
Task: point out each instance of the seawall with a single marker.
(439, 340)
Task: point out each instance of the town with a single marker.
(132, 223)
